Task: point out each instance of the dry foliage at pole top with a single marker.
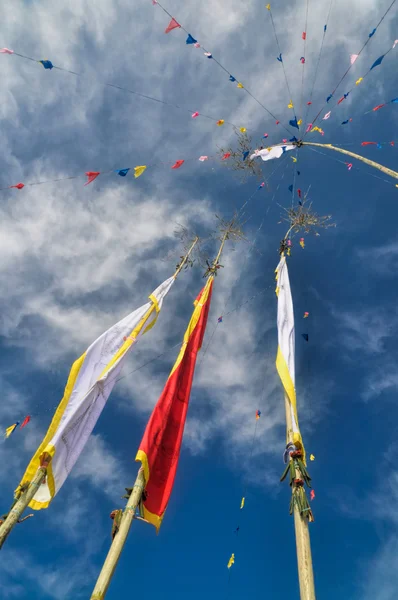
(247, 167)
(302, 218)
(226, 230)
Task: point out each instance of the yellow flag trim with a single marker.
(290, 391)
(44, 446)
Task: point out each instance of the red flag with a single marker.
(226, 155)
(91, 175)
(378, 107)
(172, 25)
(25, 421)
(160, 446)
(177, 164)
(299, 193)
(369, 144)
(19, 186)
(304, 35)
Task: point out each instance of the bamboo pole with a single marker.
(23, 501)
(109, 566)
(303, 544)
(112, 559)
(371, 163)
(186, 257)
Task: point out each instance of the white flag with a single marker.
(285, 355)
(89, 385)
(272, 152)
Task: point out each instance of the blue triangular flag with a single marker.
(293, 123)
(122, 172)
(325, 27)
(395, 100)
(377, 62)
(232, 78)
(371, 34)
(379, 146)
(329, 97)
(290, 188)
(345, 122)
(191, 40)
(47, 64)
(293, 139)
(245, 154)
(279, 58)
(298, 172)
(305, 336)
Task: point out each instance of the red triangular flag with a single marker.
(25, 421)
(91, 175)
(19, 186)
(177, 164)
(172, 25)
(226, 155)
(304, 36)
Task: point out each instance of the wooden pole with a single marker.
(184, 260)
(303, 544)
(109, 566)
(18, 508)
(371, 163)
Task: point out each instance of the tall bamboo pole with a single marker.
(371, 163)
(109, 566)
(303, 544)
(23, 501)
(112, 559)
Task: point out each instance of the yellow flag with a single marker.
(231, 561)
(242, 503)
(290, 105)
(300, 122)
(358, 81)
(9, 430)
(139, 170)
(293, 159)
(242, 129)
(268, 7)
(312, 457)
(220, 122)
(240, 86)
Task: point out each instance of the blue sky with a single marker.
(76, 259)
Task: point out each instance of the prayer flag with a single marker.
(312, 457)
(89, 385)
(47, 64)
(245, 154)
(304, 35)
(325, 118)
(242, 503)
(25, 421)
(371, 34)
(240, 86)
(10, 430)
(279, 58)
(231, 78)
(353, 58)
(293, 123)
(268, 7)
(242, 129)
(172, 25)
(272, 152)
(226, 156)
(219, 320)
(306, 315)
(290, 105)
(203, 158)
(358, 81)
(261, 185)
(220, 122)
(177, 164)
(6, 51)
(191, 40)
(285, 356)
(122, 172)
(138, 171)
(208, 54)
(377, 62)
(305, 336)
(91, 175)
(258, 414)
(18, 186)
(195, 114)
(160, 446)
(231, 561)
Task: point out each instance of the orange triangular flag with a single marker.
(172, 25)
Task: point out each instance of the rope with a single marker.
(303, 69)
(282, 63)
(359, 53)
(319, 60)
(223, 68)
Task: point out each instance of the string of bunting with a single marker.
(368, 39)
(174, 24)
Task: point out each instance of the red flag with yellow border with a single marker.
(160, 447)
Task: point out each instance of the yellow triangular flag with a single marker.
(243, 502)
(9, 430)
(293, 159)
(358, 81)
(300, 122)
(268, 7)
(139, 170)
(240, 86)
(220, 122)
(242, 129)
(290, 105)
(231, 561)
(312, 457)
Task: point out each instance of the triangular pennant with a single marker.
(172, 25)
